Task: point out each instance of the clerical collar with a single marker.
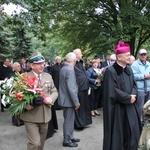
(5, 65)
(79, 61)
(121, 65)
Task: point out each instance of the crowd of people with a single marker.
(120, 85)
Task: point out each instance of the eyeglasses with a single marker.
(144, 54)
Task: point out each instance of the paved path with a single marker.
(15, 138)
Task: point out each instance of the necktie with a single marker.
(39, 79)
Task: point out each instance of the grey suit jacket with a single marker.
(68, 89)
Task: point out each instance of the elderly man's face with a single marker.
(38, 68)
(58, 60)
(124, 58)
(143, 57)
(79, 55)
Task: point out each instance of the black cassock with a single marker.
(122, 125)
(55, 71)
(83, 114)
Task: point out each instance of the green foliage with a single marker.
(48, 48)
(94, 26)
(115, 20)
(4, 36)
(21, 40)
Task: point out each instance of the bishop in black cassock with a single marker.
(122, 125)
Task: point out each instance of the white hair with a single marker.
(71, 57)
(57, 57)
(132, 57)
(113, 57)
(15, 64)
(76, 51)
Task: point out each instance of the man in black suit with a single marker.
(23, 64)
(5, 72)
(107, 62)
(55, 71)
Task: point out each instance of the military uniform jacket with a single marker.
(42, 114)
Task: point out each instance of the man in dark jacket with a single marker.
(121, 120)
(55, 71)
(5, 72)
(107, 62)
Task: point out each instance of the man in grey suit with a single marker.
(68, 99)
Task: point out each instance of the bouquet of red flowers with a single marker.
(21, 91)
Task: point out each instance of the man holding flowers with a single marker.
(37, 115)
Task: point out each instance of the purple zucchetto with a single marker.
(121, 48)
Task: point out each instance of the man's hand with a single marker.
(77, 107)
(48, 101)
(133, 99)
(147, 76)
(28, 107)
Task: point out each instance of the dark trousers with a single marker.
(83, 114)
(2, 106)
(94, 98)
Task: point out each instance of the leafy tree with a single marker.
(101, 24)
(4, 36)
(94, 26)
(47, 48)
(21, 40)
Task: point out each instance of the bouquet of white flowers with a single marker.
(5, 86)
(99, 77)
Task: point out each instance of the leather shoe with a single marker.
(75, 140)
(70, 144)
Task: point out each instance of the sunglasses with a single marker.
(144, 54)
